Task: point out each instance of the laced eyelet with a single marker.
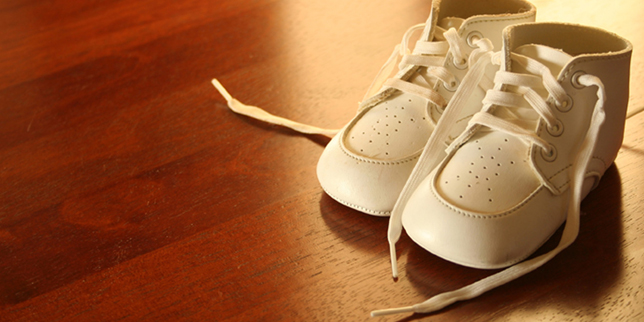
(549, 155)
(452, 86)
(556, 130)
(472, 37)
(574, 80)
(460, 65)
(565, 105)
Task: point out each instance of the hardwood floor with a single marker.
(129, 191)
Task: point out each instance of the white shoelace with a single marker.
(428, 54)
(433, 150)
(260, 114)
(429, 160)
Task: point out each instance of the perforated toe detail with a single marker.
(394, 129)
(479, 175)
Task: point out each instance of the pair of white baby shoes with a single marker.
(481, 155)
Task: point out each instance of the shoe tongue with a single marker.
(554, 59)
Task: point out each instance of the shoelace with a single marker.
(260, 114)
(433, 150)
(429, 160)
(428, 54)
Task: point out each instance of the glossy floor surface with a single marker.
(128, 190)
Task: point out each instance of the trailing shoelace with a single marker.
(260, 114)
(427, 54)
(433, 150)
(497, 98)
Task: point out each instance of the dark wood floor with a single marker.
(129, 192)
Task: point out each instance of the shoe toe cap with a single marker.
(481, 240)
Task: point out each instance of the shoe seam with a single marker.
(415, 156)
(410, 159)
(509, 18)
(586, 173)
(504, 214)
(571, 67)
(478, 216)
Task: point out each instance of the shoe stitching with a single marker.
(477, 216)
(355, 157)
(472, 23)
(410, 159)
(570, 68)
(570, 165)
(567, 182)
(516, 208)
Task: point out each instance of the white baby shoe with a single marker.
(366, 165)
(542, 139)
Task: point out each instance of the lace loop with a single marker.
(482, 46)
(405, 41)
(455, 48)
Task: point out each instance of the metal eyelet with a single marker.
(549, 155)
(452, 86)
(565, 105)
(556, 130)
(472, 37)
(574, 80)
(460, 65)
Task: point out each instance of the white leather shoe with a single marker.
(504, 187)
(366, 165)
(543, 138)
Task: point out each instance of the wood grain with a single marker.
(129, 192)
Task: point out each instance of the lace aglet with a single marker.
(394, 264)
(221, 89)
(406, 309)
